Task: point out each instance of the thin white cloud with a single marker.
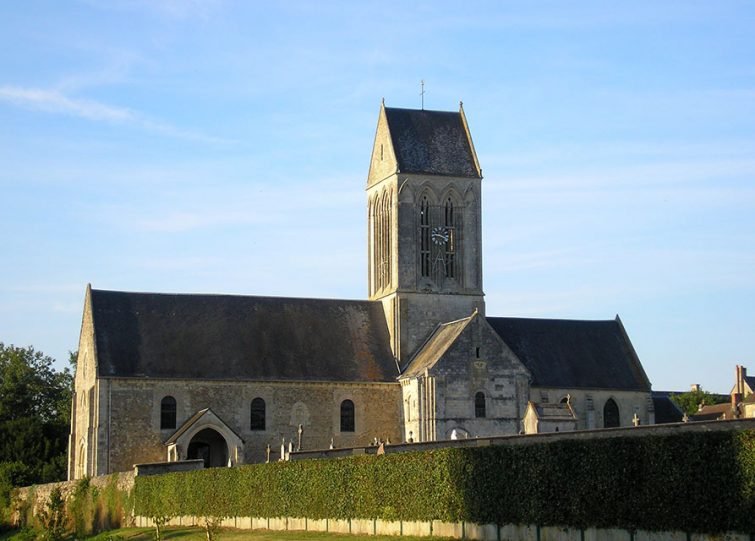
(629, 176)
(54, 101)
(195, 205)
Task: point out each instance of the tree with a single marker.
(690, 401)
(35, 403)
(53, 516)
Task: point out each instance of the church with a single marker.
(169, 377)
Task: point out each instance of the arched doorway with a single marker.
(611, 414)
(210, 446)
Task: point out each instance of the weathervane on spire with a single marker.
(422, 93)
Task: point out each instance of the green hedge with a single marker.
(698, 482)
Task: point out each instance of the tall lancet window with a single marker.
(450, 225)
(373, 244)
(424, 237)
(385, 264)
(381, 241)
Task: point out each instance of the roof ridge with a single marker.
(420, 110)
(565, 320)
(231, 295)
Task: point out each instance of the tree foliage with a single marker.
(35, 404)
(690, 401)
(53, 516)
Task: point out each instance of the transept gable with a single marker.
(465, 343)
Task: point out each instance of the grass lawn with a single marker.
(226, 534)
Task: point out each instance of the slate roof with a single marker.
(574, 353)
(240, 337)
(435, 346)
(714, 412)
(666, 410)
(554, 411)
(431, 142)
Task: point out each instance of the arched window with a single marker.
(424, 237)
(81, 465)
(168, 412)
(257, 415)
(479, 404)
(450, 224)
(611, 414)
(347, 416)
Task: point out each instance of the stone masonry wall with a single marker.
(629, 403)
(136, 437)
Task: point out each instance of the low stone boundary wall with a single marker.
(160, 468)
(454, 530)
(531, 439)
(41, 493)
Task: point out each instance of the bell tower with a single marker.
(424, 224)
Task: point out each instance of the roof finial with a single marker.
(382, 100)
(422, 92)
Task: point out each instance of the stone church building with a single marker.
(220, 377)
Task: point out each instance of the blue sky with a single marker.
(187, 146)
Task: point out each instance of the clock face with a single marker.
(440, 235)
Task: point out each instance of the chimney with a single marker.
(739, 385)
(736, 398)
(695, 388)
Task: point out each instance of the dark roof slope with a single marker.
(572, 353)
(666, 410)
(239, 337)
(432, 142)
